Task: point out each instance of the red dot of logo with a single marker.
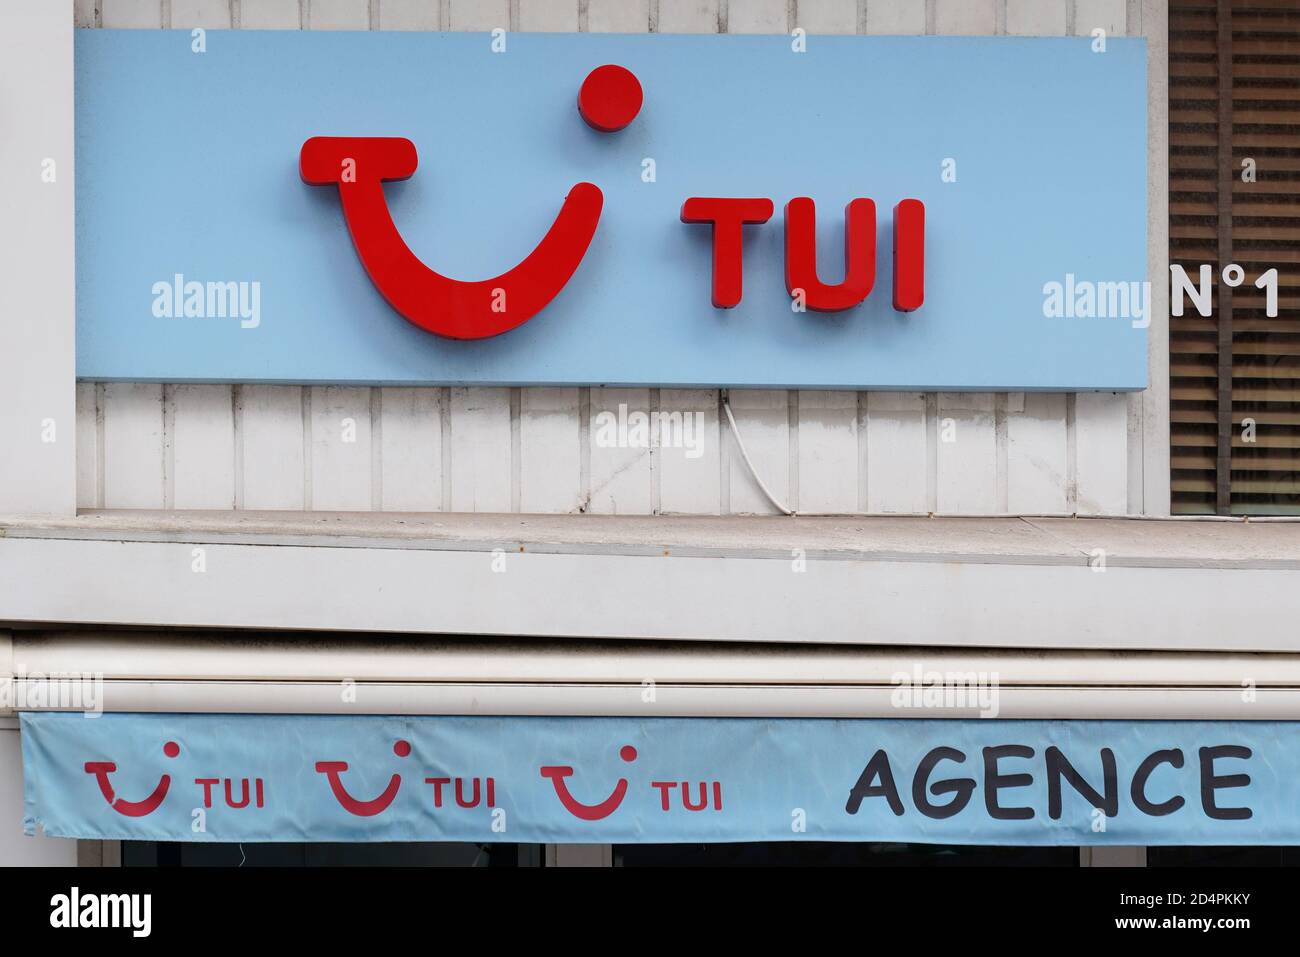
(610, 98)
(171, 749)
(627, 753)
(402, 748)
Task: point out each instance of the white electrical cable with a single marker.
(1238, 519)
(740, 444)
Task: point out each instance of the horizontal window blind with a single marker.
(1234, 156)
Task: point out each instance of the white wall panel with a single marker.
(480, 450)
(535, 450)
(340, 449)
(965, 17)
(485, 15)
(895, 17)
(1101, 452)
(1108, 15)
(548, 15)
(201, 446)
(269, 446)
(408, 14)
(338, 15)
(757, 16)
(967, 453)
(1044, 18)
(550, 451)
(620, 481)
(214, 14)
(1037, 454)
(410, 449)
(270, 15)
(763, 418)
(689, 475)
(898, 453)
(828, 452)
(133, 445)
(131, 14)
(688, 16)
(88, 427)
(827, 16)
(618, 16)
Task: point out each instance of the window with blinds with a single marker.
(1234, 109)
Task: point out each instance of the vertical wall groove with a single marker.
(376, 441)
(237, 419)
(1071, 454)
(444, 427)
(1227, 176)
(516, 455)
(169, 445)
(100, 469)
(305, 405)
(792, 407)
(656, 457)
(931, 452)
(584, 448)
(1000, 480)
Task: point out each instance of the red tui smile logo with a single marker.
(557, 775)
(359, 165)
(333, 770)
(102, 769)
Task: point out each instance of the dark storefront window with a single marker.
(833, 853)
(165, 854)
(1223, 856)
(1234, 197)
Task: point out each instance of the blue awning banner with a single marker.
(243, 777)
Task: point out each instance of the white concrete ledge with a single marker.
(1103, 584)
(1015, 540)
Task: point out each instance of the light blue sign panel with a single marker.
(187, 166)
(368, 778)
